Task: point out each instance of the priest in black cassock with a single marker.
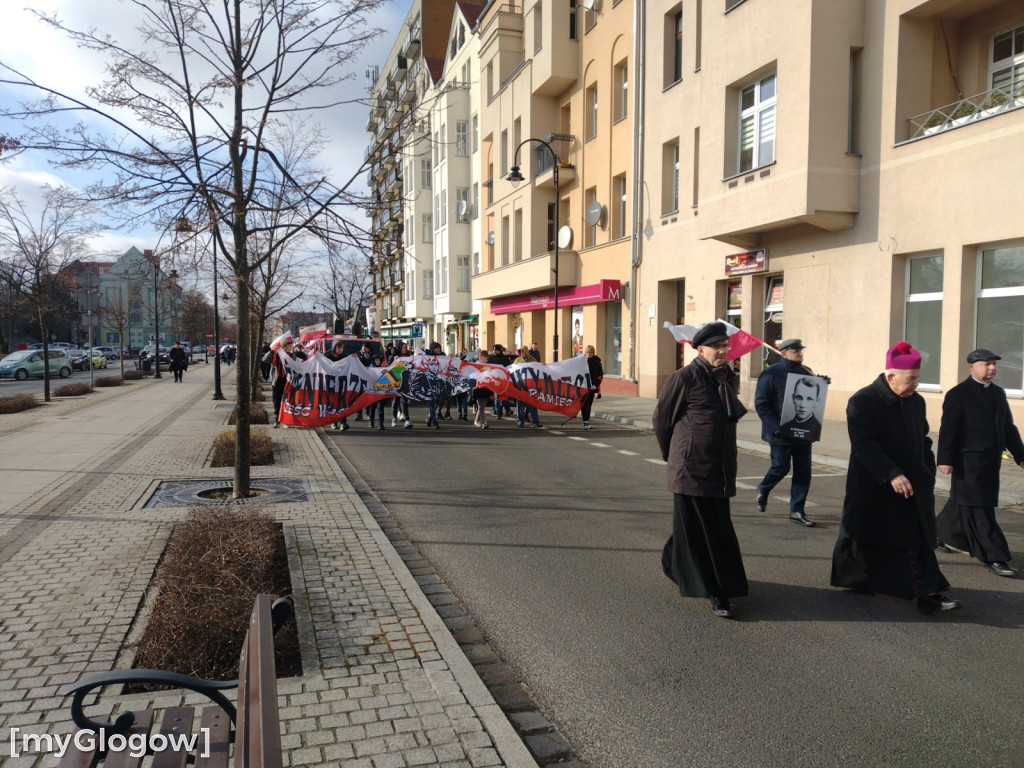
(886, 542)
(976, 426)
(695, 423)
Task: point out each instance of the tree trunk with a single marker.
(243, 399)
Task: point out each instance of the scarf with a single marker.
(721, 377)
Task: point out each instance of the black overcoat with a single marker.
(888, 438)
(976, 426)
(696, 435)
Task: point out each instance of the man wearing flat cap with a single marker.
(886, 541)
(695, 424)
(976, 427)
(786, 449)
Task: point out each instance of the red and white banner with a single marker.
(321, 391)
(740, 342)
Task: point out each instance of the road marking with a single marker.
(573, 437)
(655, 461)
(745, 486)
(600, 445)
(628, 453)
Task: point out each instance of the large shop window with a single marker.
(1001, 312)
(924, 314)
(774, 296)
(613, 338)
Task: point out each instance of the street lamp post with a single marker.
(515, 177)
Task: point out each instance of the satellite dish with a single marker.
(462, 208)
(490, 237)
(590, 5)
(594, 213)
(565, 237)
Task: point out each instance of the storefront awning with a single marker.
(606, 290)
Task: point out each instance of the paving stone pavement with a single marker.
(384, 683)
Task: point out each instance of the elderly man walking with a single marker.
(976, 426)
(695, 423)
(886, 541)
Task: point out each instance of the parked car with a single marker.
(80, 359)
(24, 363)
(149, 349)
(108, 352)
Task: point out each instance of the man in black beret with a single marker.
(976, 426)
(695, 423)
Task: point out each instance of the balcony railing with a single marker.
(969, 110)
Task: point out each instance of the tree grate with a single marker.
(185, 493)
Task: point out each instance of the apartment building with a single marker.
(416, 276)
(558, 105)
(842, 171)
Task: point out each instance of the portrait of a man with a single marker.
(803, 408)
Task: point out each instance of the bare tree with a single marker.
(116, 312)
(191, 103)
(36, 247)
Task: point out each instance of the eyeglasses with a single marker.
(719, 345)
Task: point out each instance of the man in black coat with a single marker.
(695, 423)
(886, 541)
(976, 426)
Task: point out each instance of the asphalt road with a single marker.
(552, 541)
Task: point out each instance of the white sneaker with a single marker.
(586, 425)
(394, 422)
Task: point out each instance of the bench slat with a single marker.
(219, 724)
(176, 720)
(258, 728)
(143, 723)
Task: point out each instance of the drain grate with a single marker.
(185, 493)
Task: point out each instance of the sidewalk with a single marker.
(384, 683)
(833, 449)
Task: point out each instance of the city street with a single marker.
(552, 541)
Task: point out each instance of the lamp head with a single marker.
(514, 175)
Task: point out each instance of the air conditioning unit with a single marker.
(490, 237)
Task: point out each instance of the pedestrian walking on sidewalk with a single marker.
(976, 427)
(178, 361)
(596, 371)
(886, 542)
(769, 400)
(695, 424)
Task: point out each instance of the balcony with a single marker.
(372, 121)
(545, 178)
(399, 70)
(390, 90)
(970, 110)
(409, 92)
(411, 44)
(533, 274)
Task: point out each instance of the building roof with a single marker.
(471, 12)
(435, 67)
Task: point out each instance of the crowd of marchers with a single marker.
(272, 369)
(889, 531)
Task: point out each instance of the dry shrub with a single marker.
(17, 403)
(218, 560)
(131, 374)
(257, 415)
(73, 390)
(108, 381)
(261, 448)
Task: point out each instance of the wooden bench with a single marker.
(254, 728)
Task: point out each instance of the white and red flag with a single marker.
(740, 342)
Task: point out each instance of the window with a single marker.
(620, 217)
(476, 133)
(573, 34)
(444, 272)
(1000, 314)
(613, 338)
(591, 106)
(475, 205)
(696, 167)
(924, 313)
(437, 209)
(428, 227)
(551, 227)
(622, 83)
(518, 239)
(410, 285)
(589, 19)
(489, 77)
(504, 153)
(670, 177)
(462, 204)
(1006, 70)
(444, 208)
(590, 230)
(673, 46)
(462, 138)
(428, 283)
(538, 27)
(425, 174)
(517, 135)
(757, 124)
(438, 285)
(443, 145)
(477, 265)
(462, 267)
(504, 240)
(853, 118)
(730, 4)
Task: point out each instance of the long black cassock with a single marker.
(886, 542)
(976, 426)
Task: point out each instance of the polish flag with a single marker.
(740, 342)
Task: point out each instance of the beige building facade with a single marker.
(823, 169)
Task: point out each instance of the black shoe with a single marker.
(944, 547)
(936, 604)
(761, 501)
(800, 517)
(381, 427)
(720, 607)
(1002, 569)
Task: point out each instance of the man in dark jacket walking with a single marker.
(976, 426)
(886, 541)
(178, 361)
(695, 423)
(769, 401)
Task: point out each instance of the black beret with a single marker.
(710, 334)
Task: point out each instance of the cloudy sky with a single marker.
(43, 54)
